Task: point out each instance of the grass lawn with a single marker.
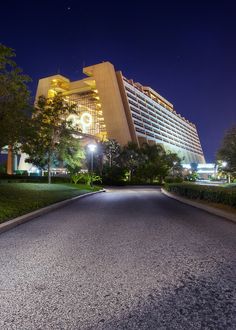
(219, 206)
(20, 198)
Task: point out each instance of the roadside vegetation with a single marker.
(133, 164)
(211, 194)
(20, 198)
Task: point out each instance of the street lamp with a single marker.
(92, 147)
(225, 164)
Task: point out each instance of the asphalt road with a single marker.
(124, 259)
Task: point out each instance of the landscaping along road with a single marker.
(130, 258)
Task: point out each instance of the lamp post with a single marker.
(224, 164)
(92, 147)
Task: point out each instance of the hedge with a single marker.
(32, 179)
(207, 193)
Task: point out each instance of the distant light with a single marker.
(77, 136)
(92, 147)
(224, 164)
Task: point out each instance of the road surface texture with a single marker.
(129, 258)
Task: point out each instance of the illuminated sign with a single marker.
(84, 121)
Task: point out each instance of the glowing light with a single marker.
(86, 121)
(92, 147)
(77, 136)
(74, 119)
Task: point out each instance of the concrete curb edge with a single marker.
(34, 214)
(206, 208)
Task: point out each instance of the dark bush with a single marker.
(32, 179)
(113, 176)
(208, 193)
(173, 179)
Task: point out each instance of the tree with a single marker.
(49, 131)
(107, 161)
(131, 158)
(111, 151)
(155, 165)
(174, 164)
(71, 154)
(158, 163)
(14, 99)
(227, 151)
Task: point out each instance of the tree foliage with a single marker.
(147, 163)
(131, 158)
(227, 151)
(14, 99)
(71, 154)
(111, 151)
(50, 132)
(157, 163)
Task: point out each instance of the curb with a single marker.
(29, 216)
(206, 208)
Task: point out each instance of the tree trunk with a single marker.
(49, 170)
(10, 160)
(110, 160)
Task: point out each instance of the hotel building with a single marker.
(112, 106)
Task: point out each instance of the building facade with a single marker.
(112, 106)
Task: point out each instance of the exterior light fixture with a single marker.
(92, 148)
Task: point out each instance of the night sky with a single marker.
(185, 50)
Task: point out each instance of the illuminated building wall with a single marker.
(111, 106)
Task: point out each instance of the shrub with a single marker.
(21, 172)
(3, 168)
(208, 193)
(76, 177)
(85, 178)
(32, 179)
(173, 179)
(113, 175)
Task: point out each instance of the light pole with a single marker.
(224, 164)
(92, 147)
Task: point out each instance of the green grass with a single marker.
(20, 198)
